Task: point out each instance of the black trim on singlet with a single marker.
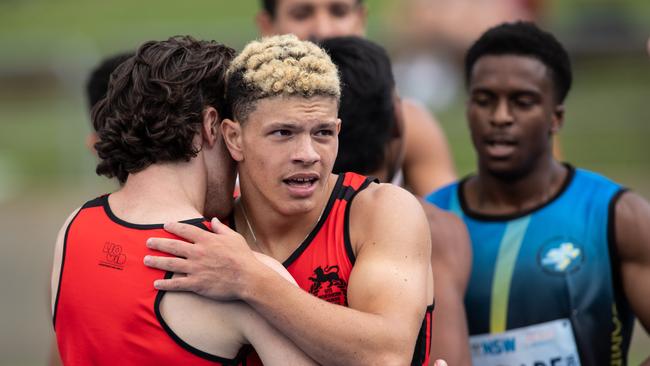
(130, 225)
(349, 196)
(487, 217)
(241, 354)
(63, 253)
(423, 344)
(615, 265)
(326, 212)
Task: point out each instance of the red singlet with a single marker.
(107, 310)
(323, 262)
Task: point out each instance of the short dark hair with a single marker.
(367, 108)
(97, 83)
(155, 102)
(524, 39)
(270, 6)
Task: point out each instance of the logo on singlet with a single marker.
(335, 290)
(112, 256)
(560, 256)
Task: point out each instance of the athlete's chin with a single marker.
(293, 207)
(506, 172)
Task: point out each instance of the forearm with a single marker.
(355, 337)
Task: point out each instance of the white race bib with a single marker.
(546, 344)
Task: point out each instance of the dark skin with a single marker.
(451, 261)
(513, 115)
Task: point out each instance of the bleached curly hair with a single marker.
(279, 66)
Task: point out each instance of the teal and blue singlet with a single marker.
(544, 275)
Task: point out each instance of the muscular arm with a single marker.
(427, 160)
(386, 292)
(451, 260)
(633, 244)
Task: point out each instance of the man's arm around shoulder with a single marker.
(386, 291)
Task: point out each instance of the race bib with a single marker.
(545, 344)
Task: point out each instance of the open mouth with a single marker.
(301, 185)
(300, 182)
(500, 148)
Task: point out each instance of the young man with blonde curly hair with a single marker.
(359, 250)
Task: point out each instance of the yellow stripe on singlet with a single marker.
(503, 269)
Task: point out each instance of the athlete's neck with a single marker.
(272, 232)
(495, 195)
(161, 193)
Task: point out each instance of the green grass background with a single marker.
(48, 47)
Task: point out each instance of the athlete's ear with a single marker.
(264, 22)
(210, 126)
(338, 126)
(558, 118)
(232, 135)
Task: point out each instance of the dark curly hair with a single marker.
(155, 102)
(367, 108)
(524, 39)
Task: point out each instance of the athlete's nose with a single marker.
(305, 152)
(502, 115)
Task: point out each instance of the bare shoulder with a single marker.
(450, 242)
(383, 213)
(416, 113)
(632, 215)
(386, 200)
(58, 256)
(444, 225)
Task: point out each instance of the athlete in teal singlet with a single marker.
(561, 255)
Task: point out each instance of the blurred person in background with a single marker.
(371, 142)
(158, 134)
(359, 250)
(561, 255)
(97, 86)
(431, 36)
(427, 161)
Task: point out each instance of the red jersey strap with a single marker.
(422, 351)
(355, 184)
(346, 187)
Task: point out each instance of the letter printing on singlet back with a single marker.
(323, 262)
(107, 310)
(544, 289)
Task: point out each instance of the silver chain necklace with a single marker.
(250, 227)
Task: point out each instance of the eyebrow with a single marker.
(328, 124)
(295, 125)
